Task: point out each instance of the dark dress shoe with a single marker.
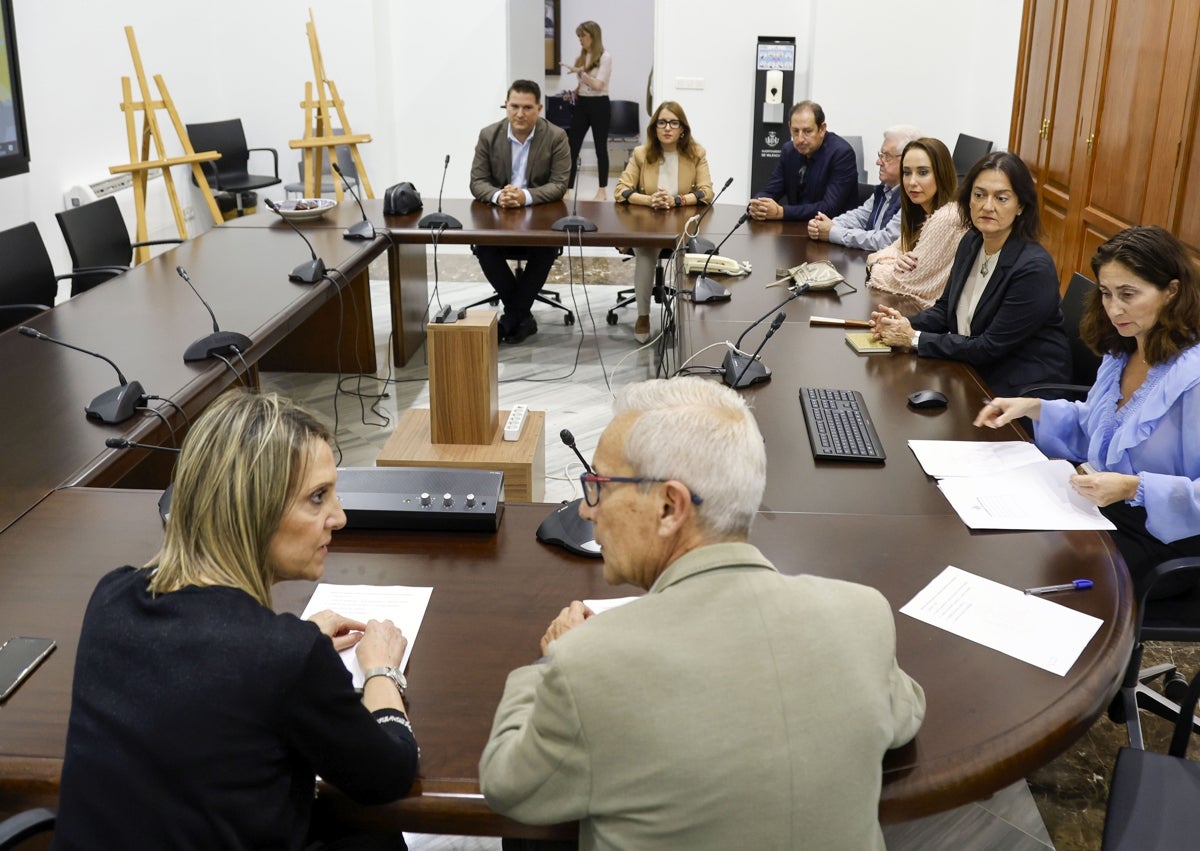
(525, 329)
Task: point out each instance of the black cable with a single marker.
(165, 421)
(186, 420)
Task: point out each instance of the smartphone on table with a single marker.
(19, 657)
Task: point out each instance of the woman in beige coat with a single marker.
(670, 170)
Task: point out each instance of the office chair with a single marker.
(24, 825)
(231, 173)
(28, 284)
(623, 127)
(969, 150)
(545, 296)
(1084, 362)
(99, 242)
(856, 142)
(1152, 797)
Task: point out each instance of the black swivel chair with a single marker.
(99, 242)
(969, 150)
(550, 297)
(231, 173)
(623, 127)
(25, 825)
(1084, 362)
(28, 284)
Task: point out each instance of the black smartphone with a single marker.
(19, 657)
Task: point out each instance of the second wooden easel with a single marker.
(140, 165)
(319, 140)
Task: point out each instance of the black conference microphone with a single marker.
(164, 501)
(698, 244)
(574, 222)
(218, 342)
(440, 220)
(564, 527)
(735, 362)
(753, 371)
(112, 406)
(364, 229)
(706, 288)
(306, 273)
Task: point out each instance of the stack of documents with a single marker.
(1007, 485)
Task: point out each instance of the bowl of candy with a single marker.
(304, 209)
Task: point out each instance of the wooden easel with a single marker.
(139, 165)
(319, 140)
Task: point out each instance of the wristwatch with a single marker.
(392, 674)
(678, 200)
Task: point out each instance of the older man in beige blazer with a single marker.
(707, 713)
(520, 160)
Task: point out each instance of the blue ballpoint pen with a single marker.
(1076, 585)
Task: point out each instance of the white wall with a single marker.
(423, 78)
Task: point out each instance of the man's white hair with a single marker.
(901, 134)
(703, 434)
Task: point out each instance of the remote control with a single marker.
(516, 419)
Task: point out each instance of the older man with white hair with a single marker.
(876, 224)
(709, 712)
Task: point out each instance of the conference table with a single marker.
(991, 719)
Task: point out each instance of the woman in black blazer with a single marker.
(1000, 311)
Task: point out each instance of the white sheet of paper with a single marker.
(403, 605)
(599, 606)
(951, 458)
(1032, 496)
(1026, 627)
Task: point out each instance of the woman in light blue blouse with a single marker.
(1139, 427)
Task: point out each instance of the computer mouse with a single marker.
(925, 399)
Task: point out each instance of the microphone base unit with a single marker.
(439, 221)
(707, 290)
(362, 230)
(118, 404)
(311, 272)
(737, 374)
(700, 245)
(565, 528)
(574, 223)
(216, 343)
(421, 498)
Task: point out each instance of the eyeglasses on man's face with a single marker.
(591, 486)
(884, 156)
(664, 123)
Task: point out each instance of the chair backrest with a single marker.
(1084, 362)
(969, 150)
(96, 236)
(228, 138)
(26, 274)
(623, 119)
(856, 142)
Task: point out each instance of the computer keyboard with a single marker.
(839, 425)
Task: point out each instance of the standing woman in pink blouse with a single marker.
(594, 67)
(918, 263)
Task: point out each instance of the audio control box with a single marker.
(421, 498)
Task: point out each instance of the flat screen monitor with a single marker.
(14, 141)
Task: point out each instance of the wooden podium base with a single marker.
(523, 461)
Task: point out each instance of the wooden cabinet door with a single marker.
(1035, 81)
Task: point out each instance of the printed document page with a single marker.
(951, 458)
(1026, 627)
(401, 604)
(1032, 496)
(598, 606)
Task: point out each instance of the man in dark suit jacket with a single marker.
(817, 172)
(521, 160)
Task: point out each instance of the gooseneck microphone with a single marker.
(753, 371)
(112, 406)
(364, 229)
(306, 273)
(124, 443)
(735, 366)
(706, 288)
(440, 220)
(698, 244)
(218, 342)
(575, 222)
(564, 527)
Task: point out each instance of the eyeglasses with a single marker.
(664, 123)
(591, 486)
(886, 157)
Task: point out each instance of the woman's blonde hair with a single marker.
(592, 60)
(241, 464)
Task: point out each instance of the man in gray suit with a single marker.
(521, 160)
(728, 707)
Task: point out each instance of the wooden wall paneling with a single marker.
(1165, 160)
(1035, 75)
(1185, 204)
